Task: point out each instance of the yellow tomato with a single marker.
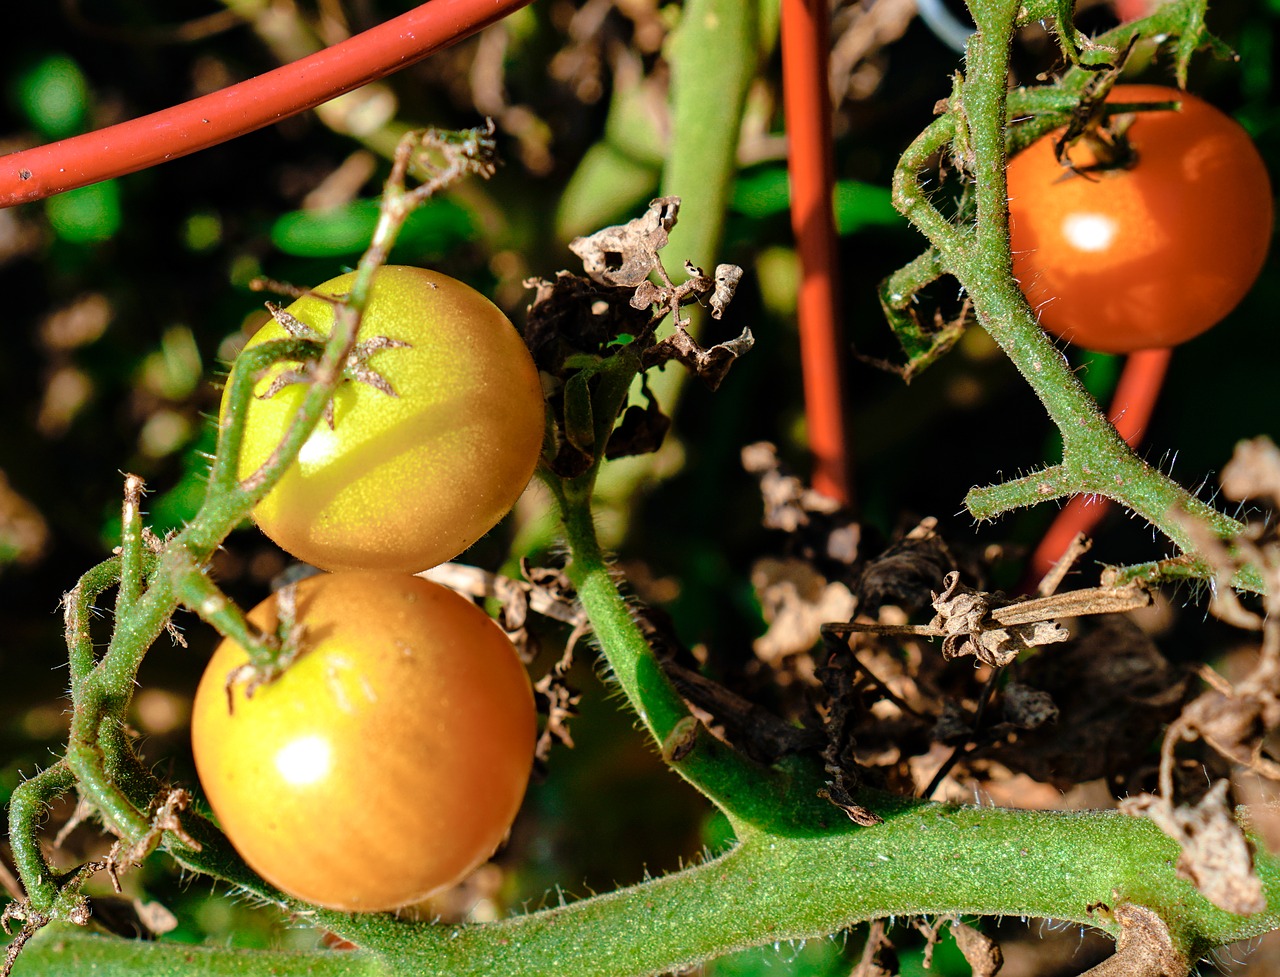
(388, 760)
(410, 480)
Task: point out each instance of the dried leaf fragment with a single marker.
(962, 614)
(626, 254)
(1253, 471)
(982, 953)
(796, 601)
(709, 364)
(1216, 857)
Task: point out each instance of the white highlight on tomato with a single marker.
(304, 761)
(319, 448)
(1089, 232)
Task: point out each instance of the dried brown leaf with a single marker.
(1114, 691)
(1216, 857)
(908, 573)
(626, 254)
(796, 601)
(964, 616)
(788, 503)
(709, 364)
(1253, 471)
(982, 953)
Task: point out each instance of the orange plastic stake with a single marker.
(807, 103)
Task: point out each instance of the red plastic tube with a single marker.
(1131, 408)
(215, 118)
(807, 103)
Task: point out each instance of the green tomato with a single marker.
(409, 479)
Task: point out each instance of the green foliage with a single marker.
(53, 94)
(86, 216)
(429, 233)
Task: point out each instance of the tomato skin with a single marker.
(1152, 256)
(388, 760)
(410, 481)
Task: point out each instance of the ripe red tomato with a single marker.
(1151, 256)
(388, 760)
(408, 481)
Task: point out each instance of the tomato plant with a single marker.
(387, 761)
(407, 477)
(1149, 253)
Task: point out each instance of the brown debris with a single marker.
(908, 573)
(570, 315)
(796, 601)
(709, 364)
(1027, 708)
(962, 616)
(879, 959)
(788, 504)
(982, 953)
(1114, 692)
(1143, 949)
(626, 254)
(1216, 857)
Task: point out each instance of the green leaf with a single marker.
(86, 215)
(431, 230)
(766, 192)
(53, 94)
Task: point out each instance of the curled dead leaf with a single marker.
(1216, 856)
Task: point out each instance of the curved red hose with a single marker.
(215, 118)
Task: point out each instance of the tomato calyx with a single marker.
(273, 653)
(356, 369)
(1100, 128)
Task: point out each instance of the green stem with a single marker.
(749, 794)
(1095, 458)
(77, 615)
(27, 806)
(925, 859)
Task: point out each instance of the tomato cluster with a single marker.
(1151, 252)
(390, 757)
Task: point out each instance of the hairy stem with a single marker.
(925, 859)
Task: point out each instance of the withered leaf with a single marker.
(1114, 691)
(726, 278)
(1216, 857)
(908, 573)
(964, 616)
(641, 431)
(710, 365)
(1253, 471)
(796, 601)
(788, 504)
(570, 315)
(626, 254)
(982, 953)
